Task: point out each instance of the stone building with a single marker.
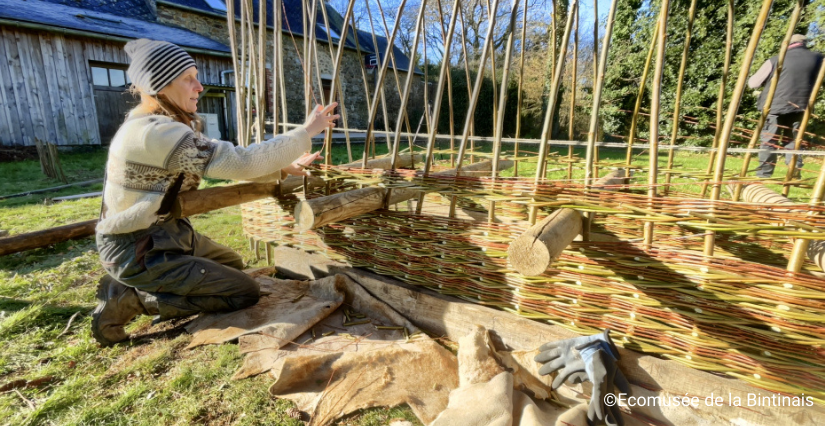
(62, 65)
(208, 18)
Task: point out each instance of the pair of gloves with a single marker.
(588, 358)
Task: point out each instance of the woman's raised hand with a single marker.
(320, 120)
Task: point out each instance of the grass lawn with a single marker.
(149, 381)
(152, 380)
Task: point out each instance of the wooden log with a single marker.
(533, 251)
(189, 203)
(758, 193)
(33, 240)
(317, 212)
(405, 161)
(612, 179)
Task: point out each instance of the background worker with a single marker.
(796, 82)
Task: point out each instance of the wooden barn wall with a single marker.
(46, 90)
(46, 87)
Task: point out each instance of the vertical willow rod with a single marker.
(678, 102)
(553, 99)
(279, 39)
(520, 99)
(598, 84)
(337, 78)
(730, 118)
(571, 131)
(307, 87)
(439, 92)
(407, 86)
(594, 155)
(469, 80)
(550, 64)
(801, 133)
(800, 247)
(233, 44)
(241, 92)
(655, 106)
(252, 70)
(379, 84)
(634, 119)
(379, 88)
(477, 87)
(336, 67)
(276, 68)
(397, 79)
(803, 125)
(493, 67)
(261, 87)
(502, 99)
(449, 86)
(757, 131)
(720, 100)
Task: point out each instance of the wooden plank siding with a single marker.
(46, 89)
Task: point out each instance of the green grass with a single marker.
(152, 380)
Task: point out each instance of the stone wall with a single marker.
(355, 97)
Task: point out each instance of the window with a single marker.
(217, 5)
(109, 75)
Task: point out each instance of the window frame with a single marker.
(109, 66)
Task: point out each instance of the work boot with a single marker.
(118, 305)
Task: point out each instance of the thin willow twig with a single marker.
(736, 98)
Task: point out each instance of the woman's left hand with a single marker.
(297, 166)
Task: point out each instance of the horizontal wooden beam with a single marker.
(189, 203)
(317, 212)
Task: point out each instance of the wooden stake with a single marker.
(736, 98)
(678, 103)
(655, 106)
(720, 100)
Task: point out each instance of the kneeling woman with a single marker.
(157, 264)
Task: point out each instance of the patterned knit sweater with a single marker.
(149, 152)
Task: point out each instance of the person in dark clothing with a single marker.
(789, 102)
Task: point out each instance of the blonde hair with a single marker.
(161, 105)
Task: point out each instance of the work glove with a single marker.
(592, 357)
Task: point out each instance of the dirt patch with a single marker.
(17, 153)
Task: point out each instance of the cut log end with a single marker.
(529, 257)
(304, 216)
(534, 250)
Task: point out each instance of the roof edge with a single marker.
(99, 36)
(269, 27)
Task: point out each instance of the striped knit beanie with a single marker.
(155, 64)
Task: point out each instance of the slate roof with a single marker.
(91, 21)
(293, 21)
(129, 8)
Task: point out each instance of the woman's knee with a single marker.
(248, 295)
